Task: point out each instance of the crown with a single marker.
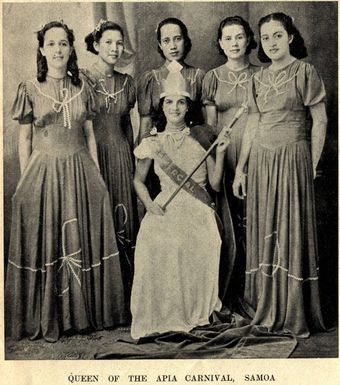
(175, 83)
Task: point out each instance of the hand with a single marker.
(239, 185)
(155, 208)
(223, 141)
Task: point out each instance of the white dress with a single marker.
(175, 286)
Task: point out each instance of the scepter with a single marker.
(226, 131)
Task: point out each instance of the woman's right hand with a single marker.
(155, 209)
(239, 185)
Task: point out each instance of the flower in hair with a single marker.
(153, 131)
(99, 25)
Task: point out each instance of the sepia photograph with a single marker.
(170, 188)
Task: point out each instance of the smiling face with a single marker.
(275, 40)
(172, 42)
(175, 108)
(56, 48)
(110, 46)
(233, 41)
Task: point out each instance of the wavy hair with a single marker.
(97, 33)
(72, 66)
(160, 119)
(297, 47)
(238, 20)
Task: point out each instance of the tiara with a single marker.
(175, 83)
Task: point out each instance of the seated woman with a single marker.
(175, 286)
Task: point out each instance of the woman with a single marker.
(224, 92)
(282, 261)
(63, 271)
(175, 286)
(174, 44)
(115, 94)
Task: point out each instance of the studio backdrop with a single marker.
(317, 22)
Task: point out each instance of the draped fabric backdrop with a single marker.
(317, 22)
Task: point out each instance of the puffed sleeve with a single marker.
(22, 109)
(310, 85)
(200, 74)
(91, 104)
(144, 93)
(251, 95)
(147, 148)
(131, 91)
(209, 89)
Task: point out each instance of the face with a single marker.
(175, 107)
(110, 46)
(233, 41)
(172, 42)
(275, 40)
(56, 48)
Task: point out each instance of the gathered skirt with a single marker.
(64, 271)
(117, 169)
(282, 259)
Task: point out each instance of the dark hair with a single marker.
(97, 33)
(160, 119)
(238, 20)
(184, 31)
(72, 66)
(297, 47)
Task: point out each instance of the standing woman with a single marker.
(224, 92)
(115, 95)
(63, 271)
(283, 150)
(174, 44)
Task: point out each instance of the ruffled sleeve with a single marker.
(91, 104)
(251, 92)
(310, 85)
(209, 89)
(144, 93)
(131, 91)
(147, 148)
(22, 109)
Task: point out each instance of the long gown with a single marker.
(175, 286)
(63, 272)
(282, 258)
(227, 90)
(115, 96)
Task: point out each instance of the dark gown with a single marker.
(115, 97)
(282, 273)
(227, 90)
(63, 272)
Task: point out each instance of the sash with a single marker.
(177, 175)
(222, 216)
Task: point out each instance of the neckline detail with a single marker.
(283, 68)
(237, 70)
